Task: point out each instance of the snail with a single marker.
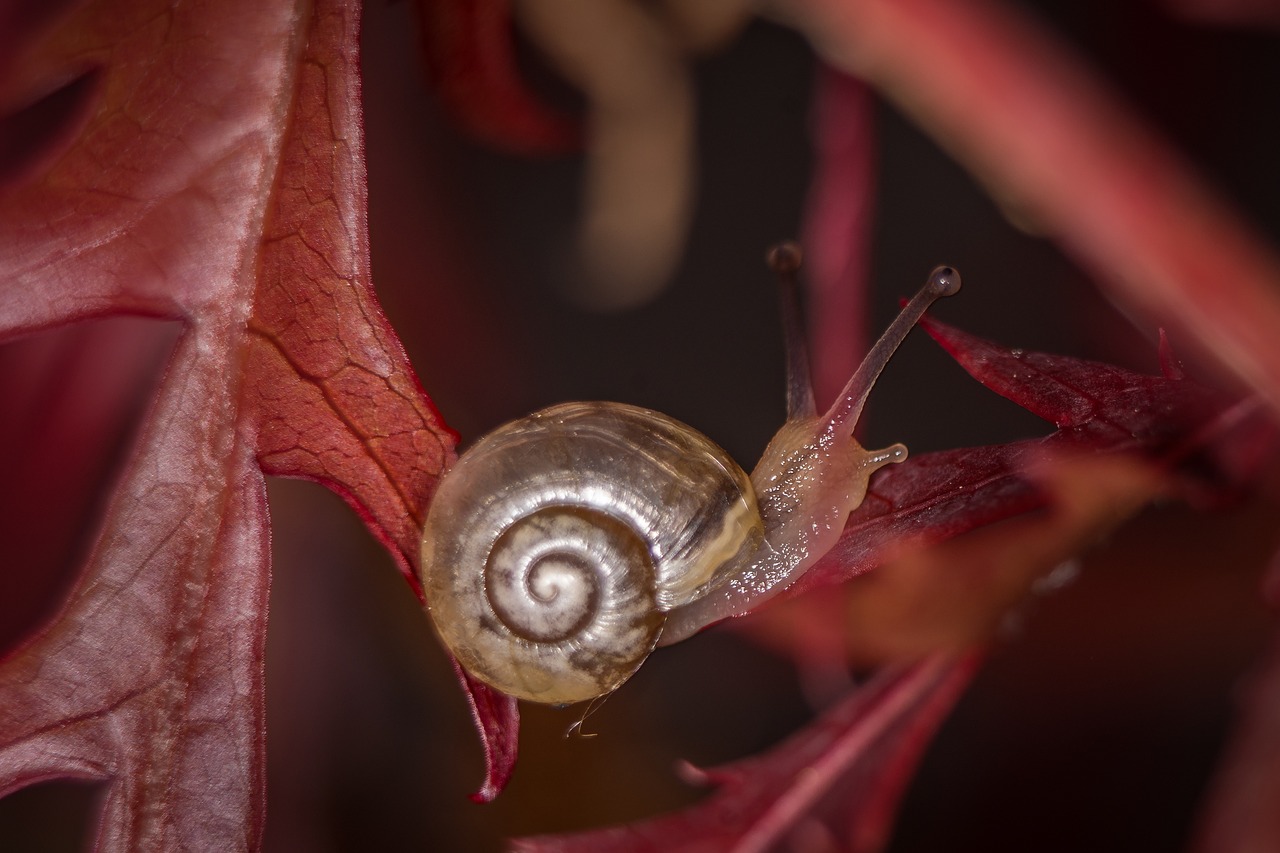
(563, 547)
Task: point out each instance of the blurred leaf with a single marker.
(1066, 158)
(469, 49)
(1239, 811)
(834, 785)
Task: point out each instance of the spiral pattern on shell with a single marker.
(555, 545)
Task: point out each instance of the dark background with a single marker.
(1096, 724)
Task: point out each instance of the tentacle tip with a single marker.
(944, 281)
(785, 258)
(891, 455)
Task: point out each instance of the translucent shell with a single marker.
(555, 546)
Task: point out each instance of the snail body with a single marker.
(564, 546)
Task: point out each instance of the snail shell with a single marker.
(590, 521)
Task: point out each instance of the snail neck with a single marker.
(806, 485)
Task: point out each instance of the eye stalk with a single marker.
(944, 281)
(814, 472)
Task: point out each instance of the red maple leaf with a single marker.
(1096, 407)
(833, 785)
(206, 165)
(1123, 439)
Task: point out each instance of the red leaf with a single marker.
(1240, 811)
(833, 785)
(217, 178)
(958, 594)
(470, 54)
(1097, 407)
(1070, 392)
